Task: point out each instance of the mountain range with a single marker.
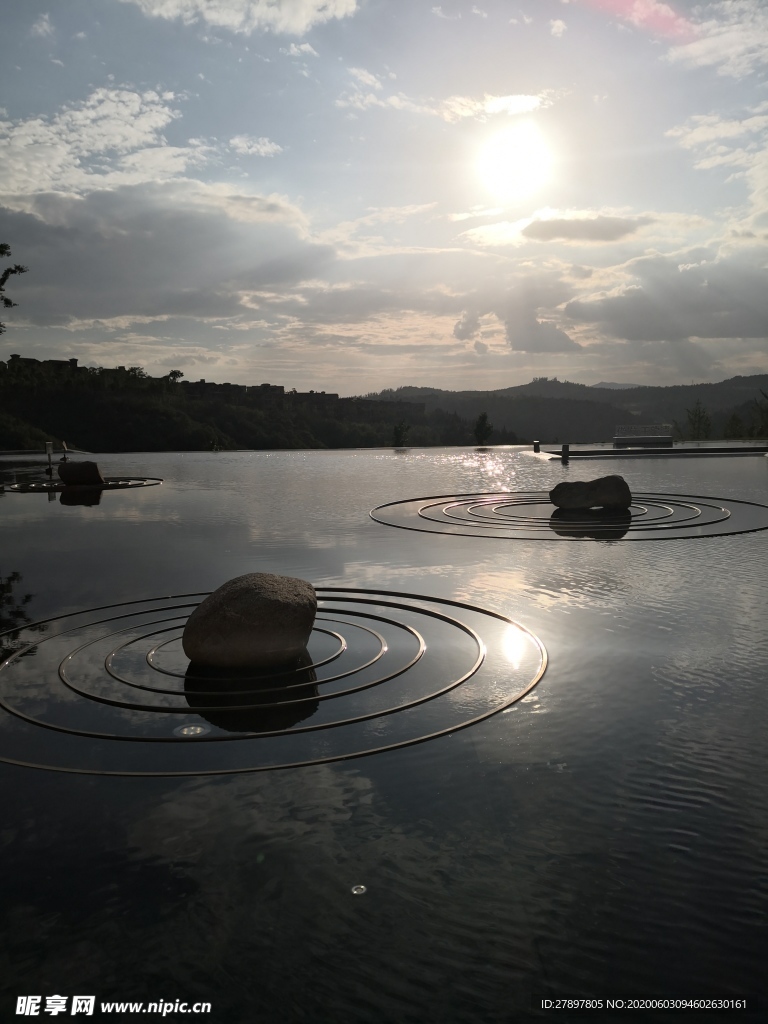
(551, 410)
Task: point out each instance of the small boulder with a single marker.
(80, 474)
(259, 620)
(605, 492)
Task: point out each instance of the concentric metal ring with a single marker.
(109, 691)
(111, 483)
(530, 515)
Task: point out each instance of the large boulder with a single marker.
(605, 492)
(254, 621)
(80, 474)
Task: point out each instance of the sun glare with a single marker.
(515, 162)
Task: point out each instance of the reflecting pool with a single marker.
(525, 760)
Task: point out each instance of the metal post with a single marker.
(537, 446)
(565, 454)
(49, 453)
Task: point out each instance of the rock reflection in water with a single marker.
(266, 701)
(593, 523)
(80, 496)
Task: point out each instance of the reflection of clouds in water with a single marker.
(142, 515)
(276, 858)
(276, 808)
(546, 584)
(361, 574)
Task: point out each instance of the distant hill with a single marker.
(549, 409)
(614, 386)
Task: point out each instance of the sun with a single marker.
(515, 162)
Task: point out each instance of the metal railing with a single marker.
(643, 430)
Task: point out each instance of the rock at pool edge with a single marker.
(259, 620)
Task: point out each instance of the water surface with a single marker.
(604, 836)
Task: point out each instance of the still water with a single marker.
(602, 836)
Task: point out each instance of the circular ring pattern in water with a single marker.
(108, 690)
(530, 515)
(111, 483)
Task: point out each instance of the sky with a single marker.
(350, 195)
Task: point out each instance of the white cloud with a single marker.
(440, 13)
(452, 109)
(457, 107)
(557, 27)
(734, 40)
(113, 137)
(249, 145)
(738, 145)
(714, 136)
(501, 233)
(480, 13)
(42, 27)
(302, 50)
(293, 17)
(365, 77)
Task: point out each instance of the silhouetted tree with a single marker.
(734, 427)
(760, 426)
(699, 423)
(400, 434)
(482, 429)
(5, 250)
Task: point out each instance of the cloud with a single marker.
(302, 50)
(293, 17)
(738, 144)
(502, 233)
(520, 309)
(666, 299)
(713, 136)
(249, 145)
(455, 108)
(171, 249)
(113, 137)
(533, 335)
(467, 326)
(452, 109)
(440, 13)
(734, 40)
(584, 229)
(42, 27)
(365, 77)
(557, 27)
